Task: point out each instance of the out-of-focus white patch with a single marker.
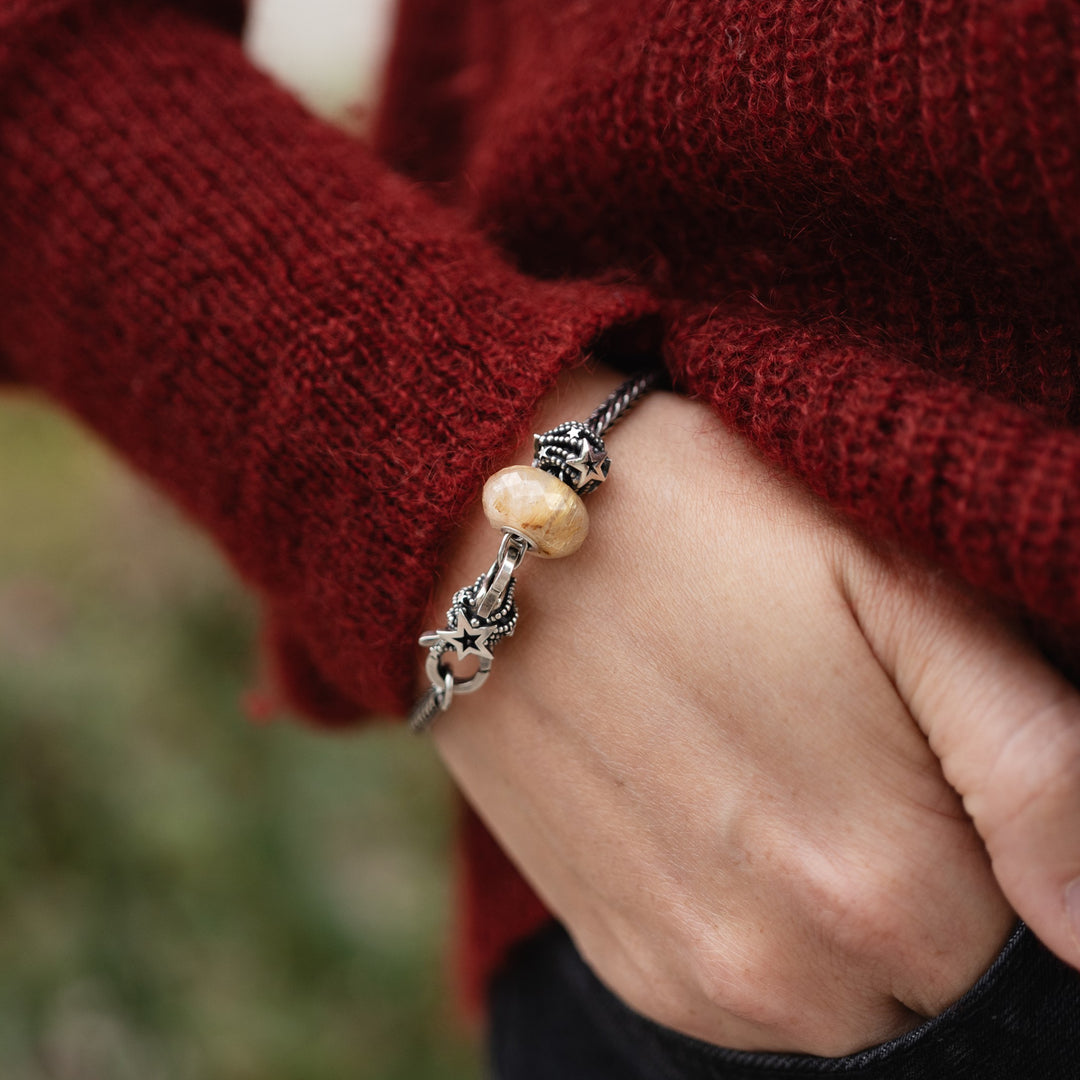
(331, 53)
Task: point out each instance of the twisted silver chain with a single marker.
(622, 400)
(428, 707)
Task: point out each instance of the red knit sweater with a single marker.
(851, 226)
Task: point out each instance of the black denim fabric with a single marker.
(552, 1019)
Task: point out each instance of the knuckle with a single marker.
(859, 908)
(731, 982)
(754, 975)
(918, 923)
(792, 1011)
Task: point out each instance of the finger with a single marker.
(1006, 728)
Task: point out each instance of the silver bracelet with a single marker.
(539, 509)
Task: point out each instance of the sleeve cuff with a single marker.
(314, 359)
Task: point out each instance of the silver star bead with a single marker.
(588, 465)
(464, 636)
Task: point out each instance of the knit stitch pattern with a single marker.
(864, 220)
(859, 219)
(315, 361)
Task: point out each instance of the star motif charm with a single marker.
(465, 637)
(588, 465)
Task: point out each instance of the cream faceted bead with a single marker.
(540, 507)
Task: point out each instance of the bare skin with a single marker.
(727, 740)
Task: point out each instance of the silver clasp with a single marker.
(493, 588)
(480, 615)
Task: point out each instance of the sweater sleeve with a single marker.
(307, 354)
(983, 486)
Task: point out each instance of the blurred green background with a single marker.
(185, 894)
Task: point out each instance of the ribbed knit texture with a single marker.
(860, 219)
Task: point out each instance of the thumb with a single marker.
(1005, 726)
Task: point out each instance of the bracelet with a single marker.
(539, 509)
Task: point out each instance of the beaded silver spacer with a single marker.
(575, 454)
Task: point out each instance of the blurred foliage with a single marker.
(184, 894)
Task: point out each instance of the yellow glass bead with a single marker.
(540, 507)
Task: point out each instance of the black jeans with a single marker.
(551, 1019)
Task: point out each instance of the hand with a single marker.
(703, 748)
